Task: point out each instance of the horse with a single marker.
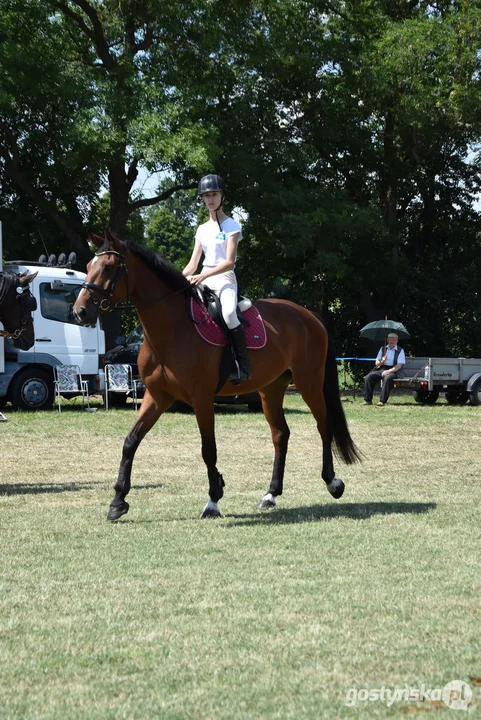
(176, 363)
(16, 306)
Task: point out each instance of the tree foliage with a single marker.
(347, 131)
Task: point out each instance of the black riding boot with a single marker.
(241, 356)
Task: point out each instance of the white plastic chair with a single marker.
(68, 380)
(119, 379)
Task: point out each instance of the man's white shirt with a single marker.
(390, 356)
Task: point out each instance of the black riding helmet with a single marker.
(211, 183)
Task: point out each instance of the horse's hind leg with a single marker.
(272, 398)
(148, 415)
(311, 387)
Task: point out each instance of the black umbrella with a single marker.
(378, 330)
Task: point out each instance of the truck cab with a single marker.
(27, 379)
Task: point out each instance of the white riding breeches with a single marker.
(225, 287)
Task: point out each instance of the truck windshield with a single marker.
(57, 303)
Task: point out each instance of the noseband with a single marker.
(105, 304)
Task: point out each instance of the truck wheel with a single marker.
(32, 390)
(475, 394)
(426, 397)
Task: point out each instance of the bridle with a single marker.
(105, 304)
(27, 305)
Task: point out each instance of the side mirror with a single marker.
(121, 340)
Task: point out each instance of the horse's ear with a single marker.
(115, 241)
(26, 279)
(95, 242)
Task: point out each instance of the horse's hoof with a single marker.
(210, 513)
(336, 488)
(267, 503)
(210, 510)
(116, 511)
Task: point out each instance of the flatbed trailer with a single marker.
(458, 378)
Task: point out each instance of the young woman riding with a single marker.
(218, 239)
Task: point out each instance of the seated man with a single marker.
(389, 363)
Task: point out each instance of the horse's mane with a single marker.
(162, 267)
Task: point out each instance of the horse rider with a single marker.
(218, 239)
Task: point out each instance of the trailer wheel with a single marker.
(426, 397)
(456, 397)
(475, 394)
(32, 390)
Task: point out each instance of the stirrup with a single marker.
(241, 376)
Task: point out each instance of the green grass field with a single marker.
(255, 615)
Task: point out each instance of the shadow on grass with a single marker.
(311, 513)
(316, 513)
(148, 486)
(34, 489)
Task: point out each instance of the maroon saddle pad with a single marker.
(212, 333)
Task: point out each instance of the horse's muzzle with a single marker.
(83, 317)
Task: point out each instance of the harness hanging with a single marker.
(28, 304)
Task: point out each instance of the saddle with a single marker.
(206, 313)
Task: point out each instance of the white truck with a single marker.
(26, 377)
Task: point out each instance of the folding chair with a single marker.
(119, 379)
(68, 380)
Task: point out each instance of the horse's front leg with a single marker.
(148, 415)
(204, 413)
(272, 400)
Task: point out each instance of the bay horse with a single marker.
(176, 363)
(16, 306)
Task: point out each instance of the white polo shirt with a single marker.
(214, 240)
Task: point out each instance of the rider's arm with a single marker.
(191, 266)
(225, 265)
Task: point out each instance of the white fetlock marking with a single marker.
(270, 498)
(211, 507)
(334, 485)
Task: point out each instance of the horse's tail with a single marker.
(336, 418)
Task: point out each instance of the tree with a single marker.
(170, 227)
(364, 130)
(344, 129)
(94, 89)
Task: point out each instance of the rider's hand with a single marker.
(195, 279)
